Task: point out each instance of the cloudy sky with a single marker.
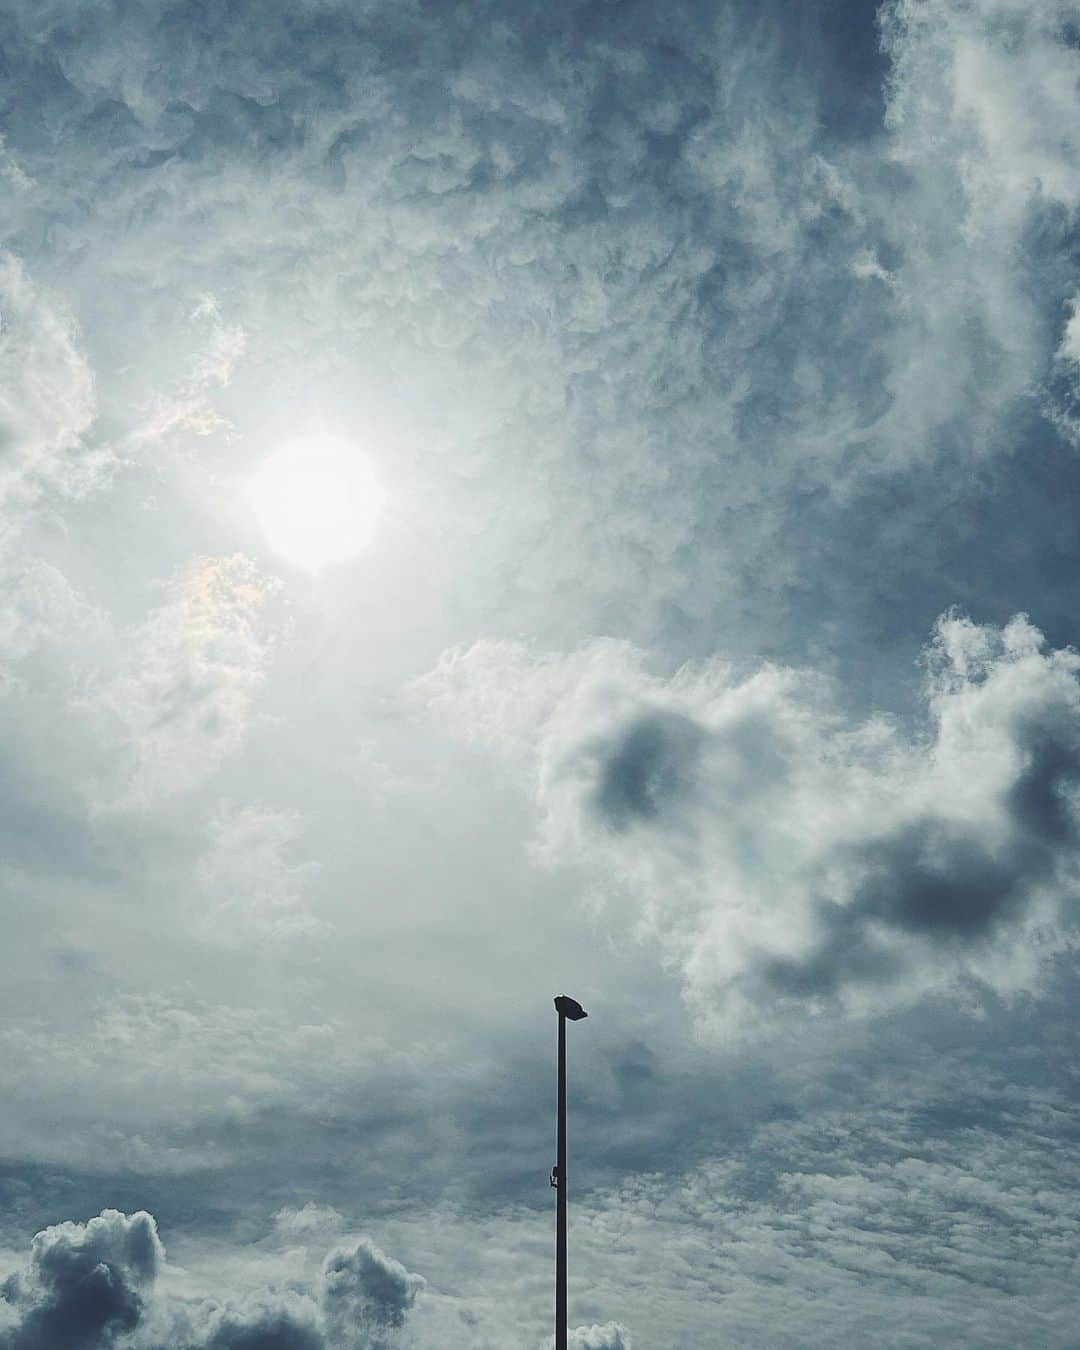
(505, 498)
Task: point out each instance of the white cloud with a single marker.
(981, 113)
(610, 1336)
(1070, 339)
(998, 80)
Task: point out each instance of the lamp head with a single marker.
(570, 1008)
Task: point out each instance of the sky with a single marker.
(508, 499)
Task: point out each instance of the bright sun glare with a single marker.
(317, 501)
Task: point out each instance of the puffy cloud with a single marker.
(86, 1284)
(788, 857)
(269, 1325)
(359, 1301)
(91, 1286)
(366, 1295)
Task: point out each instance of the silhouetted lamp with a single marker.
(569, 1010)
(570, 1007)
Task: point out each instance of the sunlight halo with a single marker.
(317, 501)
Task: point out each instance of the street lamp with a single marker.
(568, 1009)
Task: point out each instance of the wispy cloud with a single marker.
(47, 396)
(192, 672)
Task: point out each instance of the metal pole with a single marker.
(560, 1198)
(567, 1008)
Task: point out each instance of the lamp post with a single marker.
(568, 1009)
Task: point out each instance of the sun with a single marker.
(317, 501)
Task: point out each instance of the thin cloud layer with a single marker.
(254, 877)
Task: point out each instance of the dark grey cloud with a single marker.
(85, 1285)
(959, 882)
(266, 1329)
(366, 1294)
(648, 769)
(944, 884)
